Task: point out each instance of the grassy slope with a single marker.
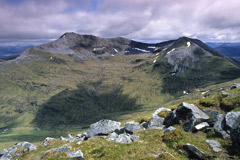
(115, 87)
(151, 142)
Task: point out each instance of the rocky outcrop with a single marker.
(132, 127)
(103, 127)
(236, 85)
(194, 152)
(57, 150)
(123, 138)
(219, 127)
(76, 154)
(213, 115)
(47, 140)
(235, 133)
(190, 114)
(169, 129)
(9, 152)
(156, 121)
(214, 145)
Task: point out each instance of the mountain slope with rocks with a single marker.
(80, 79)
(185, 131)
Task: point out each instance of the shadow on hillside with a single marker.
(84, 105)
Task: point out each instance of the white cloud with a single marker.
(155, 20)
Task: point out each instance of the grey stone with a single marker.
(156, 122)
(113, 135)
(235, 133)
(236, 85)
(132, 127)
(123, 138)
(46, 140)
(191, 114)
(224, 93)
(134, 138)
(201, 126)
(169, 129)
(214, 145)
(230, 120)
(219, 127)
(79, 142)
(144, 125)
(171, 119)
(75, 154)
(103, 127)
(194, 152)
(160, 110)
(58, 150)
(213, 116)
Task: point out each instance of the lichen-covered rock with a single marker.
(75, 154)
(57, 150)
(212, 115)
(236, 85)
(214, 145)
(194, 152)
(235, 133)
(219, 127)
(156, 122)
(47, 140)
(169, 129)
(230, 120)
(103, 127)
(132, 127)
(191, 114)
(9, 152)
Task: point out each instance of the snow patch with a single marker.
(205, 92)
(154, 61)
(157, 54)
(142, 50)
(185, 92)
(153, 47)
(173, 74)
(188, 44)
(112, 55)
(171, 51)
(115, 50)
(126, 51)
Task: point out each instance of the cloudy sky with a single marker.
(33, 21)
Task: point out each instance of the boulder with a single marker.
(75, 154)
(82, 137)
(123, 138)
(103, 127)
(212, 115)
(46, 140)
(171, 119)
(169, 129)
(214, 145)
(191, 114)
(219, 127)
(235, 133)
(194, 152)
(156, 122)
(57, 150)
(230, 119)
(160, 110)
(132, 127)
(236, 85)
(9, 152)
(201, 126)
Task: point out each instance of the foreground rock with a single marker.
(76, 154)
(235, 133)
(9, 152)
(219, 127)
(169, 129)
(156, 121)
(191, 114)
(194, 152)
(231, 119)
(214, 145)
(57, 150)
(123, 138)
(103, 127)
(213, 115)
(236, 85)
(46, 140)
(132, 127)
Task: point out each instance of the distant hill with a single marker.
(11, 52)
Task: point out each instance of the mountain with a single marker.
(79, 79)
(232, 51)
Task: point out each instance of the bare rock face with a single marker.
(191, 114)
(194, 152)
(103, 127)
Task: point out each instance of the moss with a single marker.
(163, 114)
(142, 119)
(166, 156)
(172, 138)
